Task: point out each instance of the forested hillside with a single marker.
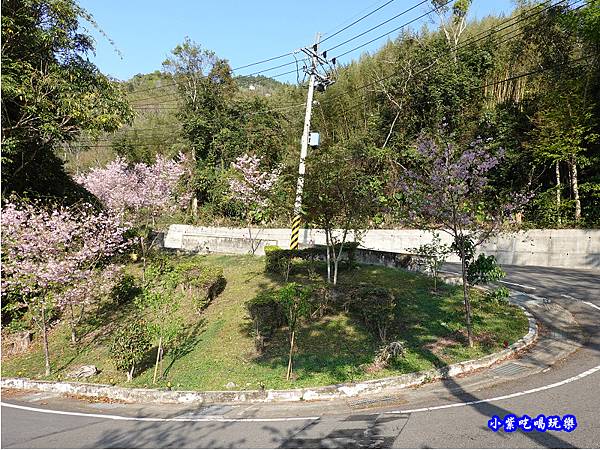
(528, 86)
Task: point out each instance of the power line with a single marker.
(494, 83)
(263, 61)
(466, 43)
(385, 22)
(348, 40)
(357, 20)
(469, 42)
(292, 53)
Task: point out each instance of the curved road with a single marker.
(450, 413)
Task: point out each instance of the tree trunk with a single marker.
(194, 206)
(575, 189)
(466, 295)
(289, 368)
(335, 270)
(251, 240)
(45, 336)
(328, 256)
(72, 323)
(143, 258)
(130, 373)
(557, 168)
(336, 262)
(158, 356)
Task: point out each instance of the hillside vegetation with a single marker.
(217, 346)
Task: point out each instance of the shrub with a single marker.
(374, 305)
(129, 345)
(497, 296)
(125, 290)
(267, 315)
(484, 269)
(280, 261)
(206, 283)
(387, 354)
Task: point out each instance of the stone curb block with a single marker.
(337, 391)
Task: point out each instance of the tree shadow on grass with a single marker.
(330, 347)
(95, 329)
(185, 343)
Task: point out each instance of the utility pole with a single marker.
(304, 146)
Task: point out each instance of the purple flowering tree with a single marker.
(252, 187)
(141, 193)
(47, 253)
(447, 189)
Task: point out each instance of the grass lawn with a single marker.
(217, 346)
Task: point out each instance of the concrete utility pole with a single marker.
(304, 145)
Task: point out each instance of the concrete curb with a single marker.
(338, 391)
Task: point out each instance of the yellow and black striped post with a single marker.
(295, 232)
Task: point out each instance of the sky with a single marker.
(145, 31)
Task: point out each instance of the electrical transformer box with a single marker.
(313, 139)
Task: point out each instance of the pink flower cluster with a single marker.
(50, 251)
(122, 188)
(92, 285)
(253, 185)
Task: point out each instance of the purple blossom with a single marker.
(450, 188)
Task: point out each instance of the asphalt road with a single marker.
(568, 387)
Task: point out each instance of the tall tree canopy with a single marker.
(51, 93)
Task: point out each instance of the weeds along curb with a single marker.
(337, 391)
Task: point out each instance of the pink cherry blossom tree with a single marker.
(84, 291)
(141, 193)
(447, 189)
(252, 187)
(47, 253)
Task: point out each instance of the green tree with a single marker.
(161, 299)
(51, 93)
(342, 195)
(295, 302)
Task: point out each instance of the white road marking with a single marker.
(502, 397)
(156, 419)
(592, 305)
(517, 284)
(289, 419)
(570, 297)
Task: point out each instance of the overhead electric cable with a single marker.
(357, 20)
(385, 22)
(468, 42)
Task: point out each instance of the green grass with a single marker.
(217, 346)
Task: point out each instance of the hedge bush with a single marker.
(267, 315)
(125, 290)
(129, 345)
(374, 306)
(278, 259)
(203, 283)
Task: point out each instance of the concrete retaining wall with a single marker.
(548, 248)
